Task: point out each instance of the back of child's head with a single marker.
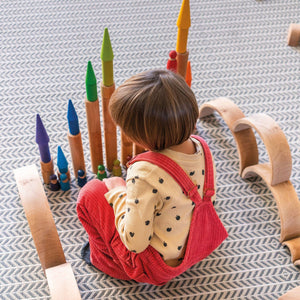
(155, 109)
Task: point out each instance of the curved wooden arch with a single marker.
(275, 142)
(275, 173)
(246, 141)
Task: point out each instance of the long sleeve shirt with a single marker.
(153, 210)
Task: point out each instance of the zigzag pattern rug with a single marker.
(237, 49)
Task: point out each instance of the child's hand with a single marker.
(114, 182)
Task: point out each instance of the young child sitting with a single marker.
(161, 221)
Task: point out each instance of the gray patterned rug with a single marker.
(237, 49)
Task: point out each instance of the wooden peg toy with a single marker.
(172, 62)
(54, 183)
(101, 174)
(64, 182)
(117, 171)
(81, 178)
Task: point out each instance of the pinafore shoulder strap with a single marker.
(174, 170)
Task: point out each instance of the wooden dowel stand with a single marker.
(182, 60)
(47, 170)
(94, 129)
(126, 148)
(77, 155)
(110, 130)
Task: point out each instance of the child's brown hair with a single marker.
(155, 109)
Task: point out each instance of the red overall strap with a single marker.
(209, 183)
(179, 175)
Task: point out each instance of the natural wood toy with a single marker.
(93, 119)
(42, 139)
(126, 148)
(60, 277)
(75, 141)
(293, 38)
(107, 88)
(183, 24)
(246, 141)
(275, 173)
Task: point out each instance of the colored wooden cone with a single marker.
(188, 76)
(107, 60)
(75, 141)
(93, 119)
(183, 24)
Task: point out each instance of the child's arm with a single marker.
(134, 210)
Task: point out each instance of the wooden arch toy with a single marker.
(276, 173)
(60, 277)
(230, 112)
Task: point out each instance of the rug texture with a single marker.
(238, 50)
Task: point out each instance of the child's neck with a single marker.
(187, 147)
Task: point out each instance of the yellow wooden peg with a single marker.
(183, 24)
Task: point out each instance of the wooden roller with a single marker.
(230, 112)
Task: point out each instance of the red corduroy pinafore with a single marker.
(109, 254)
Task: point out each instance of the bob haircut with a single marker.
(155, 109)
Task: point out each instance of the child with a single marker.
(161, 221)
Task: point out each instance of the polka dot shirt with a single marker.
(153, 210)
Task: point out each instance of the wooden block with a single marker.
(62, 283)
(293, 38)
(39, 217)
